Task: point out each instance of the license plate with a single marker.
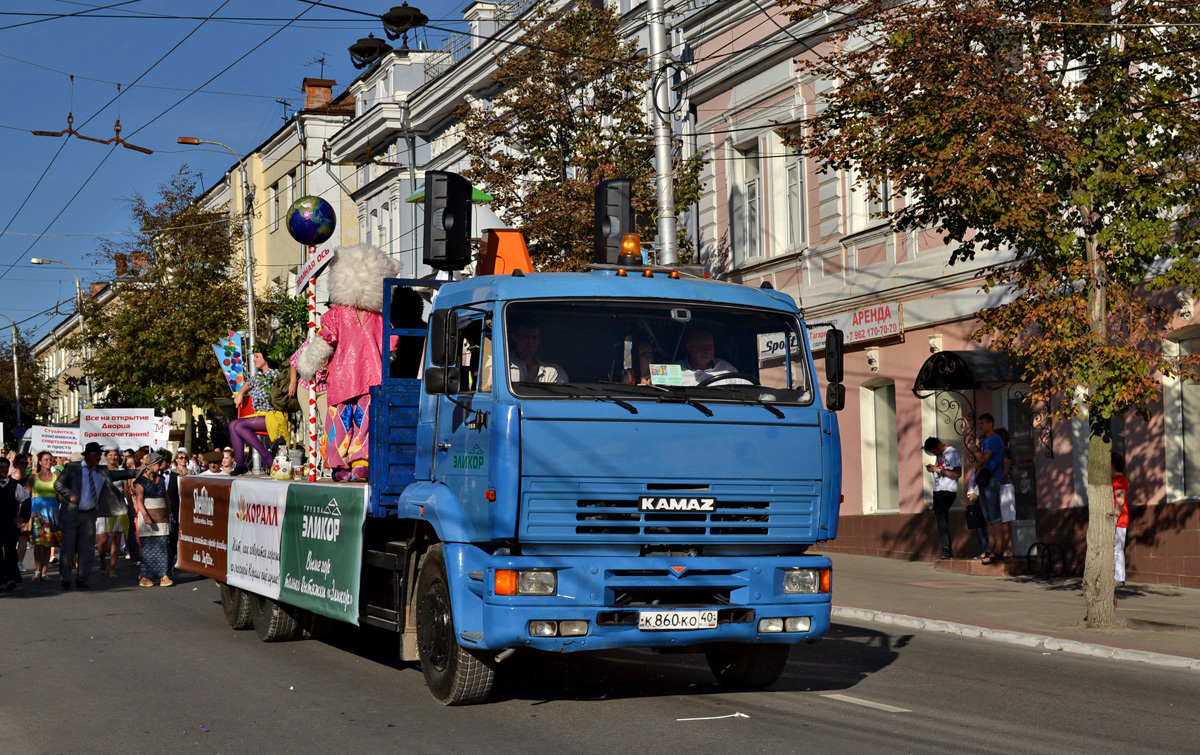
(653, 621)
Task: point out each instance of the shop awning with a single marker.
(477, 195)
(964, 370)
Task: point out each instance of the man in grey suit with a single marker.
(85, 491)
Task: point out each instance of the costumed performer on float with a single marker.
(349, 343)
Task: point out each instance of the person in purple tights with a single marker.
(244, 431)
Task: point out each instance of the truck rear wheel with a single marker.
(454, 675)
(271, 622)
(744, 666)
(236, 605)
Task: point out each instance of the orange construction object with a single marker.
(503, 251)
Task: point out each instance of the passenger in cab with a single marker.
(525, 337)
(643, 355)
(701, 362)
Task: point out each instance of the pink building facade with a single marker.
(770, 215)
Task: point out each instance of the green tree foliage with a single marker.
(151, 346)
(568, 115)
(287, 319)
(36, 388)
(1059, 138)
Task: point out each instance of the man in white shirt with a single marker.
(702, 362)
(523, 364)
(212, 464)
(86, 491)
(946, 472)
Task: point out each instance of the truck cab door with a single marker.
(462, 432)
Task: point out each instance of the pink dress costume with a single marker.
(355, 366)
(349, 345)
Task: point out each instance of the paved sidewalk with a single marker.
(1156, 619)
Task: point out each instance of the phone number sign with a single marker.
(864, 324)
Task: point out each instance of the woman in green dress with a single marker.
(45, 532)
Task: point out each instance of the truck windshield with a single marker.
(640, 349)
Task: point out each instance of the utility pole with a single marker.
(660, 97)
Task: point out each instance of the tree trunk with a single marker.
(189, 426)
(1098, 581)
(1099, 584)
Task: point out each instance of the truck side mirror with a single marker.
(835, 397)
(442, 381)
(443, 338)
(835, 348)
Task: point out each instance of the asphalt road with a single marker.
(128, 669)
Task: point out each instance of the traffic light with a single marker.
(613, 218)
(447, 220)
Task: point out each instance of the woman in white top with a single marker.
(154, 522)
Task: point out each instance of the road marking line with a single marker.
(868, 703)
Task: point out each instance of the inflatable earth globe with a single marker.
(311, 220)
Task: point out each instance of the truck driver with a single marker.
(701, 362)
(523, 365)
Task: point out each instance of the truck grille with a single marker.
(582, 510)
(623, 517)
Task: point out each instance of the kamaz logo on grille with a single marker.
(651, 503)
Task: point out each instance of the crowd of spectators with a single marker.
(115, 505)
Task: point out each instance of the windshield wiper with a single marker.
(672, 397)
(749, 400)
(584, 389)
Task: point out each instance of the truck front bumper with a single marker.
(609, 594)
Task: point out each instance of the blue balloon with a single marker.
(311, 220)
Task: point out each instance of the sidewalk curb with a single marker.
(1023, 639)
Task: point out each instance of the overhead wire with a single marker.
(103, 160)
(58, 16)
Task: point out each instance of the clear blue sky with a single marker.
(112, 42)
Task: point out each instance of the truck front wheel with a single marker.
(744, 666)
(236, 605)
(271, 622)
(454, 675)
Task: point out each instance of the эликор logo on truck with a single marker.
(472, 459)
(322, 524)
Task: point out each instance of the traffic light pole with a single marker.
(660, 96)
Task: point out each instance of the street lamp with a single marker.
(16, 376)
(246, 212)
(86, 398)
(248, 208)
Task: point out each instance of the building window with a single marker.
(273, 203)
(746, 209)
(372, 224)
(1190, 425)
(863, 210)
(794, 194)
(881, 472)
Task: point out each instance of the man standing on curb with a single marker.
(990, 453)
(946, 472)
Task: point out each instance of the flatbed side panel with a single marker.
(299, 543)
(395, 412)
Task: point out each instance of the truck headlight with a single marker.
(537, 582)
(805, 581)
(526, 582)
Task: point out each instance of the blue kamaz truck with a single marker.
(550, 471)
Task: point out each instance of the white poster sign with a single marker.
(863, 324)
(60, 441)
(313, 266)
(162, 431)
(255, 528)
(117, 428)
